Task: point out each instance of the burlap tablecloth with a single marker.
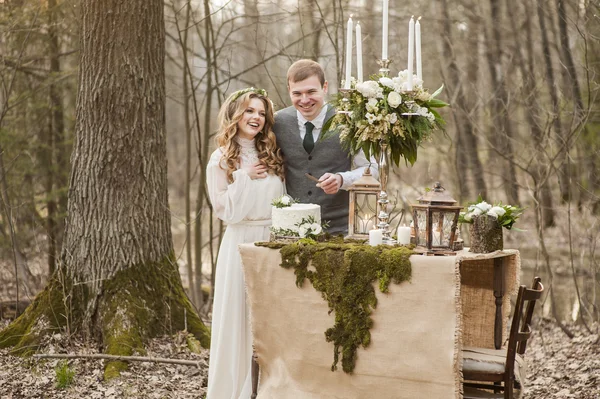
(416, 339)
(477, 294)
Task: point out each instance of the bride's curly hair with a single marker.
(230, 114)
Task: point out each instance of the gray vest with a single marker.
(326, 156)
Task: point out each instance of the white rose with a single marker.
(394, 99)
(285, 200)
(393, 118)
(476, 212)
(492, 214)
(484, 206)
(498, 210)
(316, 228)
(387, 82)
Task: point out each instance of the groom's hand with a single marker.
(330, 183)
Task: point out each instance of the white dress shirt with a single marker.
(359, 161)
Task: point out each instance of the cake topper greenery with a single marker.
(284, 201)
(384, 110)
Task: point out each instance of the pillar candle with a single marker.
(384, 35)
(418, 48)
(359, 69)
(348, 53)
(411, 49)
(403, 235)
(375, 237)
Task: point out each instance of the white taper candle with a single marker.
(348, 53)
(418, 48)
(359, 66)
(411, 49)
(384, 35)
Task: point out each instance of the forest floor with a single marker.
(559, 367)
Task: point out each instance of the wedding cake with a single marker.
(294, 219)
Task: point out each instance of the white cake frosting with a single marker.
(287, 218)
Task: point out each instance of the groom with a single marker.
(298, 129)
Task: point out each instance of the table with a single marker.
(419, 329)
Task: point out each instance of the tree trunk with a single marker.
(466, 149)
(502, 131)
(563, 178)
(188, 157)
(55, 142)
(529, 93)
(118, 281)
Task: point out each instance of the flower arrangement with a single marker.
(283, 202)
(506, 215)
(384, 110)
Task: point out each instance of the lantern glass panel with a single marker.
(365, 213)
(421, 223)
(441, 228)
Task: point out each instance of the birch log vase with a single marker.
(486, 234)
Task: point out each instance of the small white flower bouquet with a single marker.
(383, 109)
(506, 215)
(283, 202)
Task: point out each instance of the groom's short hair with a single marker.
(304, 69)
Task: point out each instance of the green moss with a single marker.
(344, 273)
(142, 302)
(47, 314)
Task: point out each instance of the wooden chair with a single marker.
(502, 367)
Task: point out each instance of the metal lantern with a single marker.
(435, 218)
(363, 206)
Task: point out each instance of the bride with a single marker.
(244, 175)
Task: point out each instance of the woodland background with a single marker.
(521, 78)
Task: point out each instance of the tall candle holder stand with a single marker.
(385, 67)
(384, 172)
(345, 100)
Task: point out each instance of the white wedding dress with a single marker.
(245, 205)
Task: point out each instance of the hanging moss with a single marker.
(344, 273)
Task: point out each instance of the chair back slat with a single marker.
(520, 330)
(537, 288)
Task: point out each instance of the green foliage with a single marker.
(383, 110)
(344, 273)
(64, 375)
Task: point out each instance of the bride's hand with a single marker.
(256, 171)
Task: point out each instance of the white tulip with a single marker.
(484, 206)
(498, 210)
(492, 214)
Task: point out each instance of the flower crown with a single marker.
(239, 93)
